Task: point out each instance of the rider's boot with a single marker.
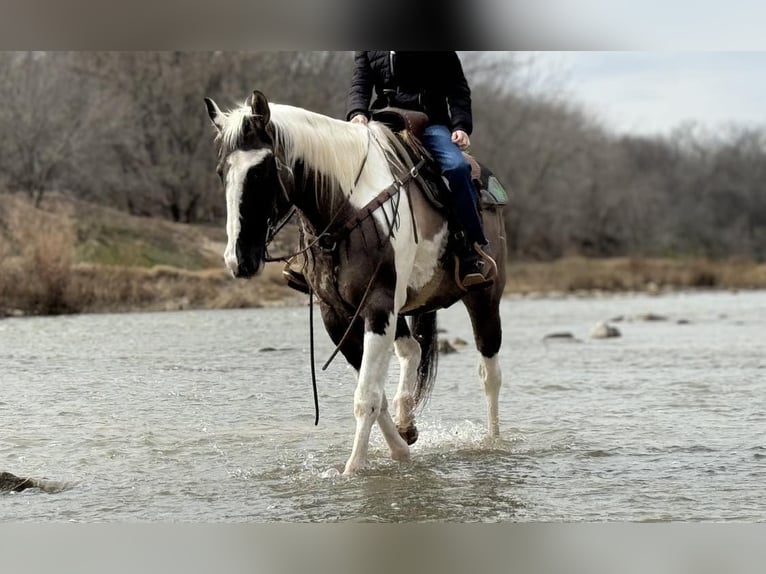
(474, 269)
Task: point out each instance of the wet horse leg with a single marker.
(369, 394)
(484, 310)
(399, 449)
(408, 352)
(352, 349)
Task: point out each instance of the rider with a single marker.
(434, 83)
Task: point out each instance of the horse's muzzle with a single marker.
(249, 262)
(246, 272)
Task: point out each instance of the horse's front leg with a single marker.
(369, 396)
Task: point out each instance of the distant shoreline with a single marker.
(89, 288)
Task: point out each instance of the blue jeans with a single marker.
(438, 141)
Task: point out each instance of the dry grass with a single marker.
(575, 274)
(99, 288)
(40, 274)
(42, 270)
(37, 257)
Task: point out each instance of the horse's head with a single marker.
(247, 166)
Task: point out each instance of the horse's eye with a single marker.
(219, 171)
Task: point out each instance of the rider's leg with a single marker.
(438, 141)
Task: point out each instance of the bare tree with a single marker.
(130, 130)
(43, 120)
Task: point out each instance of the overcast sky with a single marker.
(653, 92)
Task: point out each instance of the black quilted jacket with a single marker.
(432, 82)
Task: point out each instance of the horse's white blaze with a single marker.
(239, 163)
(491, 376)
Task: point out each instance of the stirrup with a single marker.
(295, 279)
(476, 281)
(491, 263)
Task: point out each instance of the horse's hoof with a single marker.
(410, 434)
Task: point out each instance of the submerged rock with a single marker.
(563, 336)
(445, 347)
(650, 317)
(458, 342)
(12, 483)
(603, 330)
(273, 349)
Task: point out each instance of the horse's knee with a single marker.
(368, 405)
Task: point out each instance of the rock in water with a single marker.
(603, 330)
(559, 336)
(445, 347)
(651, 317)
(12, 483)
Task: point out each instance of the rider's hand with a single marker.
(460, 138)
(359, 119)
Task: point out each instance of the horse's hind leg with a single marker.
(396, 443)
(408, 352)
(484, 310)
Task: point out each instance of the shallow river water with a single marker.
(208, 416)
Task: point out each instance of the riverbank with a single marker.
(75, 257)
(89, 288)
(632, 274)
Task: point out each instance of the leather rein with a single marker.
(335, 234)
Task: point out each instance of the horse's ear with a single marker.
(215, 113)
(260, 106)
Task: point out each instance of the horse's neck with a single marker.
(316, 200)
(322, 198)
(326, 145)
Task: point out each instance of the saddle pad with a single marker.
(493, 194)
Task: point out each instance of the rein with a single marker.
(326, 232)
(340, 233)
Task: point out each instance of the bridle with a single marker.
(275, 224)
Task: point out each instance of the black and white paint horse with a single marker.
(374, 257)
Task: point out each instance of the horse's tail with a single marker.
(424, 330)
